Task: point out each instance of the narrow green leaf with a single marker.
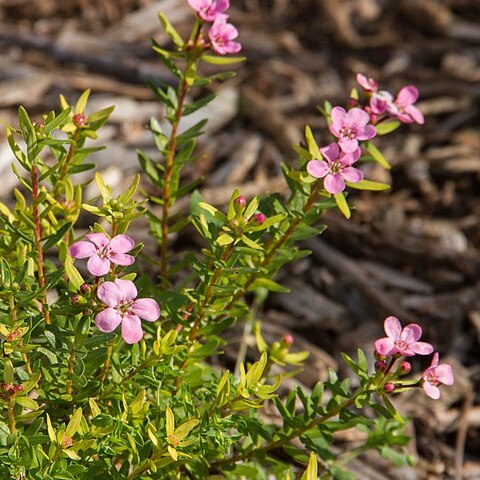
(377, 155)
(342, 204)
(388, 127)
(27, 402)
(214, 60)
(369, 185)
(170, 30)
(311, 473)
(74, 423)
(82, 102)
(8, 376)
(73, 274)
(312, 144)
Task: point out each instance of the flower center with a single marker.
(433, 380)
(401, 345)
(104, 252)
(336, 167)
(348, 133)
(124, 307)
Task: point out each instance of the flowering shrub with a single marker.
(82, 398)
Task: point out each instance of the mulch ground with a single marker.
(412, 252)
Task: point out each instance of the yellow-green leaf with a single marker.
(74, 423)
(214, 60)
(377, 155)
(312, 144)
(173, 453)
(369, 185)
(170, 422)
(50, 430)
(73, 274)
(311, 473)
(82, 102)
(342, 204)
(184, 429)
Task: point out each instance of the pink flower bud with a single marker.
(379, 356)
(389, 387)
(76, 299)
(17, 388)
(79, 120)
(259, 218)
(288, 339)
(85, 288)
(66, 442)
(380, 366)
(239, 205)
(405, 368)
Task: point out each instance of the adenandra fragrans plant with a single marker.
(106, 370)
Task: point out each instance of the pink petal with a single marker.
(444, 374)
(121, 244)
(366, 133)
(108, 320)
(366, 83)
(334, 183)
(99, 239)
(421, 348)
(431, 390)
(434, 361)
(222, 5)
(406, 96)
(349, 158)
(403, 117)
(415, 113)
(331, 151)
(317, 168)
(384, 346)
(121, 259)
(98, 266)
(339, 116)
(352, 174)
(356, 118)
(392, 327)
(131, 329)
(110, 294)
(198, 4)
(411, 333)
(127, 289)
(334, 129)
(82, 249)
(146, 308)
(348, 146)
(381, 102)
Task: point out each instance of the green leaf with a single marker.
(73, 274)
(388, 127)
(377, 155)
(51, 240)
(8, 376)
(170, 421)
(312, 144)
(342, 204)
(27, 402)
(201, 102)
(224, 239)
(170, 30)
(269, 285)
(74, 423)
(369, 185)
(105, 190)
(311, 473)
(213, 211)
(82, 102)
(214, 60)
(251, 243)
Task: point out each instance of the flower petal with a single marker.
(121, 244)
(392, 327)
(99, 239)
(109, 293)
(444, 374)
(411, 333)
(421, 348)
(339, 116)
(98, 266)
(406, 96)
(317, 168)
(415, 113)
(349, 158)
(431, 390)
(348, 146)
(108, 320)
(366, 133)
(356, 118)
(82, 249)
(334, 183)
(127, 289)
(131, 329)
(331, 151)
(146, 308)
(352, 174)
(384, 346)
(121, 259)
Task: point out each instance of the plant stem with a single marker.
(106, 365)
(12, 424)
(63, 172)
(71, 364)
(38, 243)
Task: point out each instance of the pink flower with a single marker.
(402, 107)
(401, 341)
(124, 308)
(336, 169)
(100, 251)
(436, 375)
(209, 10)
(222, 35)
(368, 84)
(351, 126)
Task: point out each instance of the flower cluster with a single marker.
(401, 342)
(357, 125)
(222, 34)
(119, 297)
(383, 103)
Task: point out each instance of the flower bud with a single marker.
(85, 287)
(288, 339)
(380, 366)
(405, 368)
(17, 388)
(259, 218)
(389, 387)
(379, 356)
(79, 120)
(239, 205)
(66, 442)
(77, 299)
